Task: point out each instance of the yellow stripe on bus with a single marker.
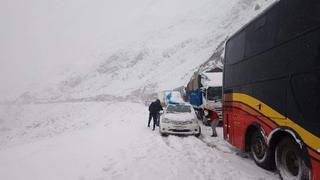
(310, 139)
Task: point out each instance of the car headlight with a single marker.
(165, 120)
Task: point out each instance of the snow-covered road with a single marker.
(117, 145)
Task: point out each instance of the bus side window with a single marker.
(306, 89)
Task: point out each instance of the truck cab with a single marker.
(204, 91)
(212, 92)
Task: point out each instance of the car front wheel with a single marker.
(198, 134)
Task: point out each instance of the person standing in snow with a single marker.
(154, 111)
(214, 120)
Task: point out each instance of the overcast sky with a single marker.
(39, 36)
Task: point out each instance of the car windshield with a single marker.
(178, 108)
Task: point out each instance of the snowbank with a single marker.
(116, 144)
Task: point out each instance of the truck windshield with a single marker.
(214, 93)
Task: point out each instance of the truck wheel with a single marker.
(259, 150)
(289, 161)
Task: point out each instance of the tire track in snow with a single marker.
(204, 155)
(211, 145)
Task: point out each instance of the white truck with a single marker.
(204, 92)
(212, 93)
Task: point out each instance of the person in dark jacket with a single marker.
(154, 111)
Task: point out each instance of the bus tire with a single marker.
(289, 161)
(259, 151)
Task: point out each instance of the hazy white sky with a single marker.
(39, 36)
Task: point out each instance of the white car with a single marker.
(179, 119)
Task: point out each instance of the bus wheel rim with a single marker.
(291, 162)
(259, 148)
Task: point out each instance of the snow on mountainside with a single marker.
(162, 46)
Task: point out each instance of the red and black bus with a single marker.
(271, 89)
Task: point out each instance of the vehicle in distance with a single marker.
(179, 119)
(170, 97)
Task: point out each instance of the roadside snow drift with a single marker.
(116, 144)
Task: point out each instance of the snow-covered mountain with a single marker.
(157, 47)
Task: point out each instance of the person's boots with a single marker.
(213, 135)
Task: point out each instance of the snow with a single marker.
(173, 97)
(117, 144)
(214, 79)
(75, 75)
